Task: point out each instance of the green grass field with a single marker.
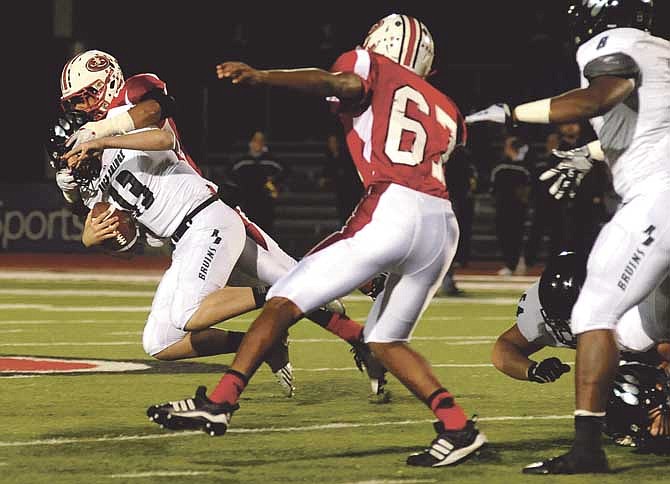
(92, 428)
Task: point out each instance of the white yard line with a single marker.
(78, 276)
(159, 474)
(56, 309)
(306, 428)
(76, 292)
(392, 481)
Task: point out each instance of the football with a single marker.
(128, 230)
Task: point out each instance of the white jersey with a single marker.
(635, 134)
(156, 186)
(632, 333)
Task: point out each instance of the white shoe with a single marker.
(505, 271)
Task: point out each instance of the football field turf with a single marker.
(92, 427)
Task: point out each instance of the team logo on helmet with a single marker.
(97, 63)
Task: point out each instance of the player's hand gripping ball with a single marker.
(127, 232)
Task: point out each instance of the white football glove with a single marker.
(86, 133)
(496, 113)
(570, 172)
(67, 185)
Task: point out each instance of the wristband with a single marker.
(119, 124)
(534, 112)
(595, 150)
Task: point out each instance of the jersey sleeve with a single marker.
(529, 318)
(137, 86)
(617, 64)
(361, 63)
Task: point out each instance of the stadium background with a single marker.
(485, 52)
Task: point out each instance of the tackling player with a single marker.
(625, 93)
(93, 83)
(643, 336)
(400, 131)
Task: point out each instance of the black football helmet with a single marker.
(65, 125)
(638, 408)
(588, 18)
(559, 288)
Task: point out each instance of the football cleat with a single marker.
(450, 446)
(336, 306)
(278, 360)
(366, 361)
(570, 464)
(197, 413)
(284, 377)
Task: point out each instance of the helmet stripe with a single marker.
(402, 40)
(407, 61)
(418, 43)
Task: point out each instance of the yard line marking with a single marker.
(498, 301)
(159, 474)
(54, 308)
(76, 292)
(450, 340)
(72, 343)
(156, 276)
(306, 428)
(350, 368)
(392, 481)
(79, 276)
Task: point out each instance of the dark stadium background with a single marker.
(486, 51)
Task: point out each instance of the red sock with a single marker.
(230, 387)
(449, 413)
(345, 328)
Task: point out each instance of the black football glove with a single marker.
(547, 371)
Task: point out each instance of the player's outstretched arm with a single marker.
(343, 85)
(602, 94)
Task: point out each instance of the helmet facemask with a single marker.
(92, 75)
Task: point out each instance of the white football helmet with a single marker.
(404, 40)
(95, 73)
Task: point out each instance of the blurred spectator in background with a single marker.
(257, 176)
(510, 184)
(340, 175)
(462, 180)
(548, 214)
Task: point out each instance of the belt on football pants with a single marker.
(188, 220)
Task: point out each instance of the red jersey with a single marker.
(132, 92)
(405, 130)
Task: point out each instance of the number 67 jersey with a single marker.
(156, 186)
(405, 132)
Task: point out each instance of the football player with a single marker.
(643, 336)
(625, 93)
(400, 131)
(93, 83)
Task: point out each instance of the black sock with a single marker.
(588, 430)
(259, 295)
(320, 316)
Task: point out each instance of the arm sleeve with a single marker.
(358, 62)
(617, 64)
